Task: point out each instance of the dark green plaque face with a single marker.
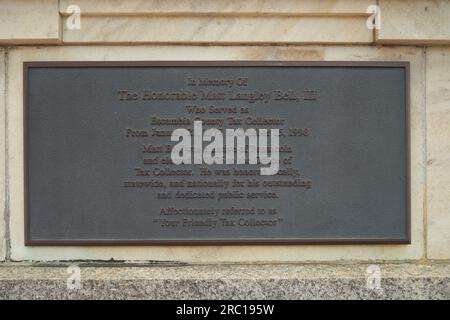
(98, 163)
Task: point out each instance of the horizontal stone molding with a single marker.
(218, 7)
(219, 22)
(220, 30)
(414, 22)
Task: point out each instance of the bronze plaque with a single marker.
(100, 150)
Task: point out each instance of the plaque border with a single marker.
(218, 63)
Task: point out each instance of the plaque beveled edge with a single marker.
(218, 63)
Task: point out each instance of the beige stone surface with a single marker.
(29, 21)
(219, 30)
(209, 254)
(414, 22)
(2, 155)
(128, 271)
(120, 7)
(438, 152)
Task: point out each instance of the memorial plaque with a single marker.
(101, 138)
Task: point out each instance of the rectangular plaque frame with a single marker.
(266, 241)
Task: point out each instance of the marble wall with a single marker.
(323, 30)
(438, 152)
